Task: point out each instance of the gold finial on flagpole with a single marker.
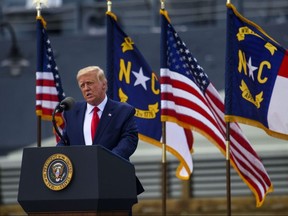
(228, 2)
(39, 4)
(162, 4)
(109, 5)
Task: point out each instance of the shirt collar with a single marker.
(100, 106)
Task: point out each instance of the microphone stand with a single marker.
(55, 125)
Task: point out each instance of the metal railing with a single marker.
(208, 179)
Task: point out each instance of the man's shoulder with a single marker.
(79, 105)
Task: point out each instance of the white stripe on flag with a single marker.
(47, 104)
(180, 145)
(44, 75)
(277, 114)
(46, 90)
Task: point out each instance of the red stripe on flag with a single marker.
(44, 82)
(189, 138)
(196, 124)
(47, 97)
(251, 158)
(190, 105)
(283, 71)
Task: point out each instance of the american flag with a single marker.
(190, 99)
(49, 91)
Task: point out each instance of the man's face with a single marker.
(92, 89)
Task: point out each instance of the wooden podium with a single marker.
(76, 180)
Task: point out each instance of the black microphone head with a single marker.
(67, 103)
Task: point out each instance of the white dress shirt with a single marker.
(88, 119)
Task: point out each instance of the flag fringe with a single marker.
(259, 201)
(165, 13)
(59, 120)
(230, 118)
(182, 163)
(44, 23)
(111, 14)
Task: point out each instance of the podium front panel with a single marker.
(101, 181)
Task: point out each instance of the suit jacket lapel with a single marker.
(80, 115)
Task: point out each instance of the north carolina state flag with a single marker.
(256, 87)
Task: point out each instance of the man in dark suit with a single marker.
(116, 130)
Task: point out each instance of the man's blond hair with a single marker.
(99, 72)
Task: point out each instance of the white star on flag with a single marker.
(140, 78)
(251, 68)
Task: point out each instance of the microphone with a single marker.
(65, 105)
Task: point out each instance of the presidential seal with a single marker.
(57, 172)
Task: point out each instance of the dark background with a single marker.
(18, 121)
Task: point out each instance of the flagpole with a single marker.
(38, 7)
(164, 156)
(38, 4)
(109, 45)
(228, 175)
(164, 169)
(162, 5)
(109, 5)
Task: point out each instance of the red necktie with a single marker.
(94, 122)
